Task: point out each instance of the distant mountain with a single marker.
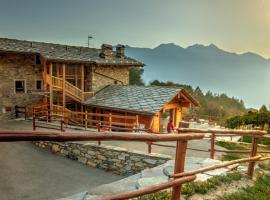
(245, 76)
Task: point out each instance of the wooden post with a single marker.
(16, 111)
(64, 87)
(82, 82)
(51, 85)
(253, 153)
(34, 122)
(86, 118)
(110, 121)
(149, 147)
(25, 112)
(62, 125)
(181, 148)
(212, 150)
(137, 123)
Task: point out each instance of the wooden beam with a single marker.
(82, 80)
(64, 86)
(51, 85)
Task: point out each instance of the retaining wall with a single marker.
(115, 159)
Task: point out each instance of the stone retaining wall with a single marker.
(115, 159)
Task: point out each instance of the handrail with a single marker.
(218, 166)
(150, 189)
(92, 136)
(239, 132)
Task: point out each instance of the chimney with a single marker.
(120, 51)
(106, 51)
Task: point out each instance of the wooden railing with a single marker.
(71, 90)
(179, 177)
(88, 119)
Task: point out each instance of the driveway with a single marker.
(29, 172)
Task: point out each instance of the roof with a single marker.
(64, 53)
(139, 99)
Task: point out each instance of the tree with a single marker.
(263, 109)
(135, 76)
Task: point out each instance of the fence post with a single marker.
(181, 148)
(25, 112)
(253, 153)
(149, 147)
(34, 122)
(16, 111)
(212, 149)
(86, 120)
(110, 121)
(98, 127)
(137, 123)
(62, 125)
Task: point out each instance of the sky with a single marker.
(233, 25)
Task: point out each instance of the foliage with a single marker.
(163, 195)
(215, 107)
(231, 146)
(265, 165)
(255, 119)
(202, 187)
(135, 76)
(260, 191)
(264, 141)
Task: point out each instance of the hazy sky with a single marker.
(233, 25)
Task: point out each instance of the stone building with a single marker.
(73, 78)
(36, 72)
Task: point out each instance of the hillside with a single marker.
(245, 76)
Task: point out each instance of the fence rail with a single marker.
(179, 177)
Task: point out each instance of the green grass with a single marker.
(248, 139)
(260, 191)
(199, 187)
(232, 146)
(202, 187)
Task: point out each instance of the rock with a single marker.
(149, 181)
(82, 160)
(150, 161)
(55, 148)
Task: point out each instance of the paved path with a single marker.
(29, 172)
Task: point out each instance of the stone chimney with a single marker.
(120, 51)
(106, 51)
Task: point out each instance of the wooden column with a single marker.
(45, 79)
(64, 87)
(212, 149)
(181, 148)
(253, 153)
(76, 76)
(82, 77)
(51, 85)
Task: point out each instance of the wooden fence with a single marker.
(85, 119)
(179, 177)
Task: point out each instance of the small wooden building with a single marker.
(153, 105)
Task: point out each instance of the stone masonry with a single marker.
(118, 75)
(17, 67)
(109, 158)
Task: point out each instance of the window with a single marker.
(38, 84)
(20, 86)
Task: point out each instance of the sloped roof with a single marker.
(64, 53)
(140, 99)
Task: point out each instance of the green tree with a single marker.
(263, 109)
(135, 76)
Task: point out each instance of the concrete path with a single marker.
(29, 172)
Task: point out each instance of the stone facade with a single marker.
(109, 75)
(109, 158)
(17, 67)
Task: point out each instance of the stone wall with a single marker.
(109, 158)
(115, 72)
(20, 67)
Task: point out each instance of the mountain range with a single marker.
(245, 76)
